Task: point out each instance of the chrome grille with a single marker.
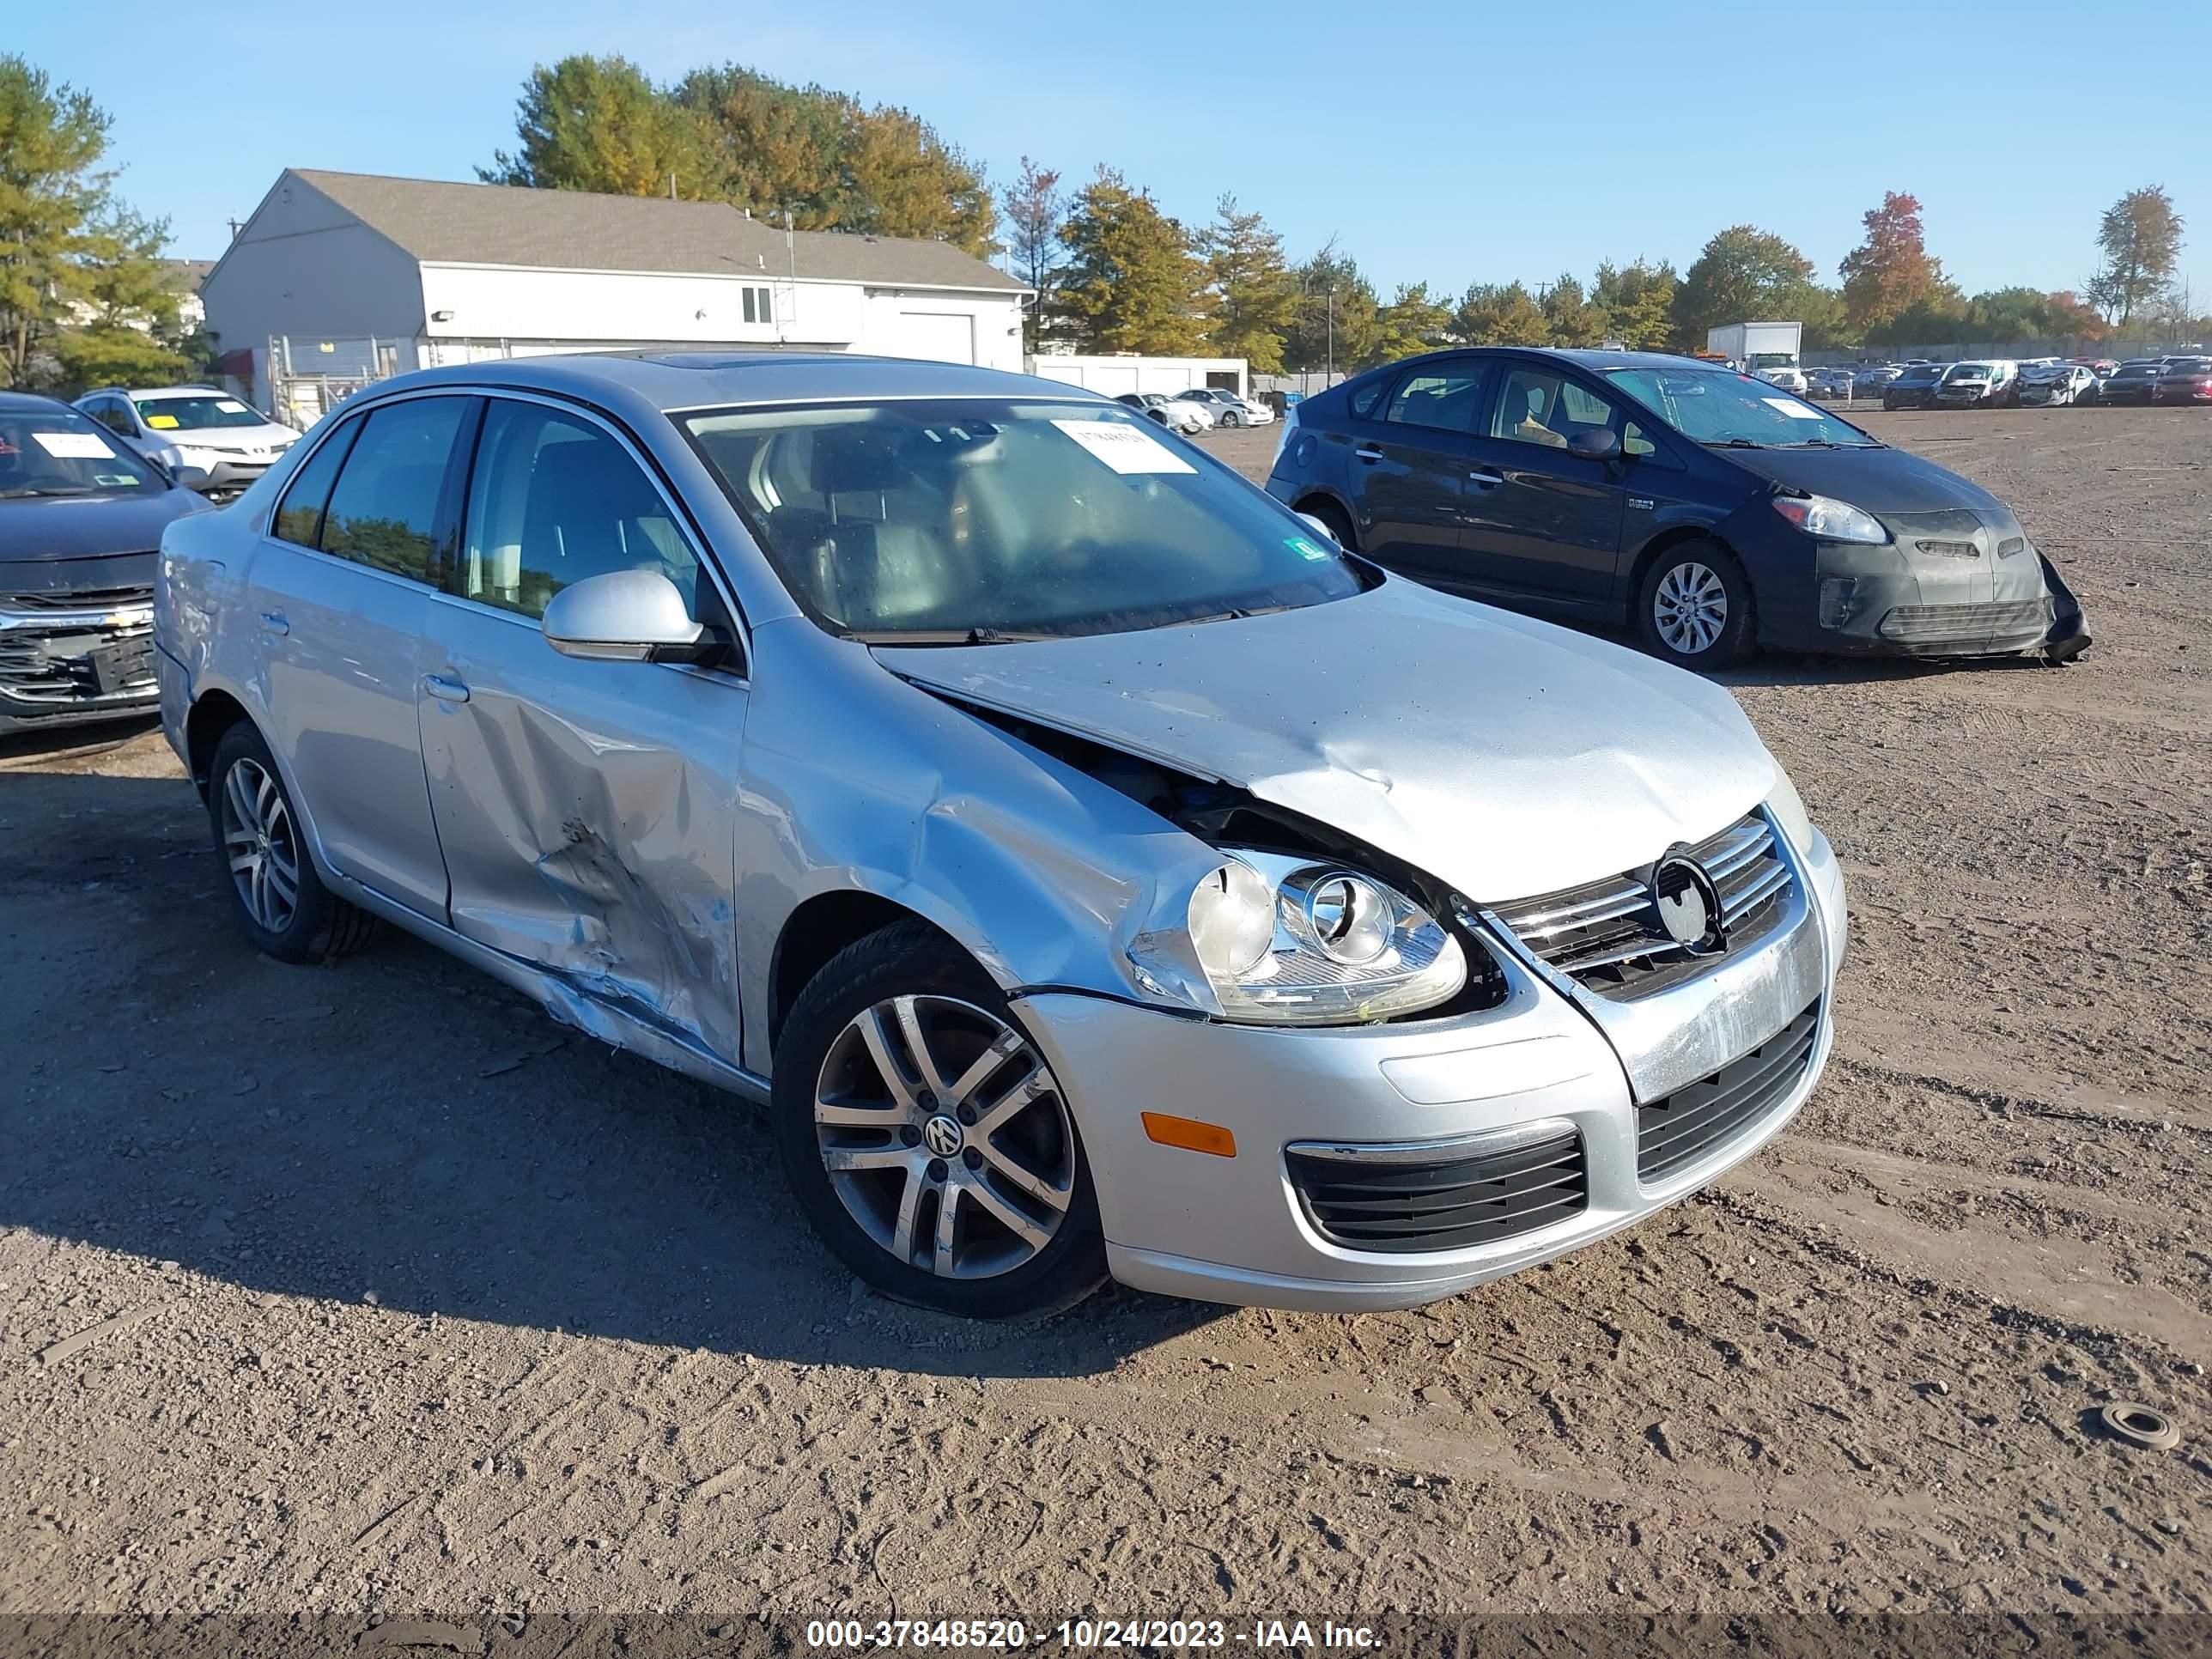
(82, 598)
(1606, 933)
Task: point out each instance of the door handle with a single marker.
(444, 691)
(1485, 478)
(1367, 453)
(273, 622)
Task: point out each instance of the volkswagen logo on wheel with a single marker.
(942, 1135)
(1687, 904)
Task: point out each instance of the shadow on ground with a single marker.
(399, 1128)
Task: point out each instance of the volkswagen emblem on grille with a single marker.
(1687, 904)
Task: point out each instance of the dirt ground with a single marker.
(369, 1289)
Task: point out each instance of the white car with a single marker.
(211, 442)
(1226, 407)
(1174, 413)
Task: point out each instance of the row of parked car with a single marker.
(2045, 382)
(1199, 409)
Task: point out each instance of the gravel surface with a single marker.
(368, 1290)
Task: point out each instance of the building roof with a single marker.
(441, 223)
(186, 275)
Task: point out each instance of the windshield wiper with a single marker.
(950, 636)
(1229, 615)
(1731, 443)
(42, 489)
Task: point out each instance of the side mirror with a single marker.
(1319, 529)
(624, 615)
(1600, 444)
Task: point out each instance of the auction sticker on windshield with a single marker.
(1125, 448)
(73, 446)
(1796, 411)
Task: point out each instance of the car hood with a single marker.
(39, 528)
(1504, 756)
(1882, 481)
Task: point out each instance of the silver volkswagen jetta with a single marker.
(1097, 870)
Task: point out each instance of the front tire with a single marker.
(1232, 418)
(279, 901)
(1694, 608)
(926, 1137)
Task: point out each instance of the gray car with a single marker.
(1094, 869)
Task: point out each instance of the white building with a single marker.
(342, 278)
(1115, 375)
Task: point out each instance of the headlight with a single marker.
(1280, 940)
(1830, 519)
(1790, 811)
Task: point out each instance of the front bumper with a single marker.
(1236, 1229)
(1929, 593)
(63, 662)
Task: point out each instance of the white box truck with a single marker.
(1768, 350)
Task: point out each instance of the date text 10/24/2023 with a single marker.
(1275, 1635)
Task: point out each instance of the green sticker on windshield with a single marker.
(1304, 549)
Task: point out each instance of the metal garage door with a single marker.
(943, 336)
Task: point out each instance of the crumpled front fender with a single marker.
(863, 783)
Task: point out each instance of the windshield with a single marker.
(58, 452)
(193, 414)
(1971, 372)
(2135, 371)
(1732, 410)
(983, 520)
(1774, 359)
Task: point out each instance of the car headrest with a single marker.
(850, 458)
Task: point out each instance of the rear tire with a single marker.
(1694, 606)
(276, 898)
(975, 1199)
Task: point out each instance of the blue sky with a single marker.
(1454, 143)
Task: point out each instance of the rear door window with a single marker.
(1444, 398)
(383, 512)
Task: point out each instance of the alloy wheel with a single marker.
(259, 843)
(945, 1136)
(1690, 608)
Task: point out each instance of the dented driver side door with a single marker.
(585, 810)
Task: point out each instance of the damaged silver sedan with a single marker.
(1096, 870)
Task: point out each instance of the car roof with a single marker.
(26, 403)
(668, 381)
(167, 391)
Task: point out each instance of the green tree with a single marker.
(1133, 283)
(1337, 320)
(734, 135)
(1638, 301)
(127, 329)
(1411, 324)
(1491, 314)
(1940, 318)
(1891, 272)
(2140, 237)
(1570, 317)
(1036, 209)
(1744, 274)
(1254, 299)
(598, 124)
(80, 286)
(774, 148)
(907, 181)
